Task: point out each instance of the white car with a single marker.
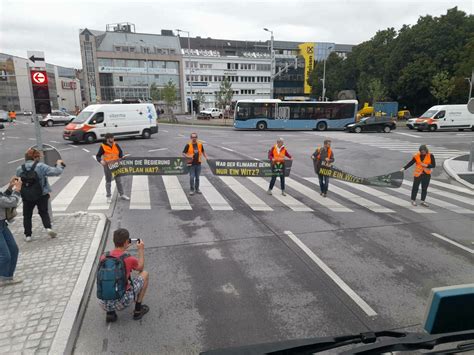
(210, 113)
(56, 117)
(411, 123)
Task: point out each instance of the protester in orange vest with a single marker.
(193, 152)
(277, 155)
(323, 157)
(12, 116)
(109, 152)
(424, 162)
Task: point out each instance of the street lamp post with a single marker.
(324, 75)
(470, 88)
(147, 76)
(272, 63)
(190, 70)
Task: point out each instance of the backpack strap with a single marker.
(123, 257)
(23, 168)
(33, 167)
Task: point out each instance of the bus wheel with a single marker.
(321, 126)
(261, 126)
(433, 128)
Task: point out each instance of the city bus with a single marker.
(277, 114)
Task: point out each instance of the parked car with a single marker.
(27, 113)
(411, 123)
(373, 124)
(210, 113)
(3, 116)
(55, 117)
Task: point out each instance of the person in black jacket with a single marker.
(424, 162)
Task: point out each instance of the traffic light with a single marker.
(39, 81)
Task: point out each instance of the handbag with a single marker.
(10, 213)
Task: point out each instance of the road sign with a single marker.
(39, 77)
(36, 59)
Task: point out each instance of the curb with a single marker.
(196, 125)
(454, 175)
(65, 338)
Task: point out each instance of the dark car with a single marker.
(373, 124)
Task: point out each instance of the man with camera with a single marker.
(116, 289)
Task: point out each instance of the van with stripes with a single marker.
(445, 117)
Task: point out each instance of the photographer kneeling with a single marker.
(116, 289)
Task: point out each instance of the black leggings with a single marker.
(29, 206)
(424, 179)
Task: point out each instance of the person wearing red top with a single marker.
(139, 283)
(277, 155)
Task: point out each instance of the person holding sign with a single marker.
(277, 155)
(424, 162)
(323, 157)
(108, 153)
(193, 152)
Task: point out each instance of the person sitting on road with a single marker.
(135, 288)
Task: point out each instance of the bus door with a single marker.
(282, 116)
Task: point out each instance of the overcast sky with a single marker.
(53, 26)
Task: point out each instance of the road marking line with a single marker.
(87, 151)
(439, 236)
(407, 134)
(162, 130)
(230, 150)
(13, 137)
(32, 139)
(62, 150)
(68, 193)
(75, 146)
(156, 150)
(54, 142)
(140, 195)
(14, 161)
(176, 195)
(328, 271)
(389, 198)
(452, 187)
(213, 197)
(375, 207)
(469, 201)
(288, 200)
(99, 201)
(252, 200)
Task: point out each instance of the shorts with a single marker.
(127, 298)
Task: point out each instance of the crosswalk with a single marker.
(226, 194)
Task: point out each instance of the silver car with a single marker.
(55, 117)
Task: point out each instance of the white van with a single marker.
(126, 120)
(445, 117)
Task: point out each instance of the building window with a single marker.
(121, 78)
(232, 66)
(117, 48)
(132, 49)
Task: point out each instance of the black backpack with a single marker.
(31, 189)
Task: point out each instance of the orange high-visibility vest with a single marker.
(111, 153)
(319, 153)
(420, 169)
(191, 150)
(279, 157)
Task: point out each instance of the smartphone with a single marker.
(134, 240)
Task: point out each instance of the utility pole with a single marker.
(324, 74)
(147, 76)
(272, 63)
(39, 140)
(190, 70)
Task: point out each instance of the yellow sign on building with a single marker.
(307, 52)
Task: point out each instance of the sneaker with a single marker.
(109, 199)
(198, 191)
(51, 233)
(413, 203)
(424, 204)
(283, 193)
(125, 197)
(325, 194)
(27, 238)
(191, 193)
(321, 193)
(11, 281)
(111, 317)
(269, 192)
(139, 315)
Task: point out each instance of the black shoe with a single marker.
(144, 310)
(111, 317)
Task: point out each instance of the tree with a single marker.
(170, 96)
(155, 92)
(376, 91)
(225, 94)
(200, 98)
(442, 86)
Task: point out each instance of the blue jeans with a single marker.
(194, 173)
(323, 183)
(8, 251)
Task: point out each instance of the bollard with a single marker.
(471, 157)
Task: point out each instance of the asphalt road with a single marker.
(356, 261)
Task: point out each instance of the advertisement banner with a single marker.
(393, 180)
(307, 52)
(148, 166)
(261, 168)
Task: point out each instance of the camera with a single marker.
(134, 240)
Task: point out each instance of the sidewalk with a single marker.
(39, 314)
(457, 169)
(188, 120)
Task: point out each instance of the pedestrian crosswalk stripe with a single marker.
(452, 187)
(53, 179)
(99, 201)
(315, 196)
(389, 198)
(254, 202)
(176, 195)
(469, 201)
(439, 203)
(359, 200)
(289, 201)
(68, 193)
(140, 195)
(213, 197)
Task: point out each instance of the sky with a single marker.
(53, 26)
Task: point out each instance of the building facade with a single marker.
(119, 63)
(16, 93)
